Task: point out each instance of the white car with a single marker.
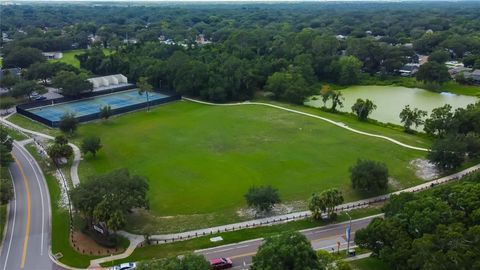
(124, 266)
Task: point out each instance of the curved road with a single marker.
(27, 239)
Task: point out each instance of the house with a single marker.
(474, 75)
(409, 69)
(457, 70)
(201, 40)
(453, 64)
(52, 55)
(130, 41)
(422, 59)
(15, 72)
(340, 37)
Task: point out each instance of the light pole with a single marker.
(348, 232)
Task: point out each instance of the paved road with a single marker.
(27, 240)
(325, 237)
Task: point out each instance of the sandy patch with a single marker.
(278, 209)
(424, 169)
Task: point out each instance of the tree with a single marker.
(350, 70)
(61, 140)
(337, 100)
(26, 88)
(362, 108)
(6, 103)
(411, 117)
(68, 123)
(262, 198)
(91, 144)
(369, 175)
(57, 151)
(105, 112)
(433, 72)
(71, 84)
(187, 262)
(328, 261)
(6, 191)
(41, 71)
(144, 87)
(8, 80)
(441, 121)
(109, 197)
(439, 56)
(22, 57)
(447, 153)
(326, 93)
(428, 230)
(289, 251)
(6, 145)
(325, 202)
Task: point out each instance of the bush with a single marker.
(369, 175)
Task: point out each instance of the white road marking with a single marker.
(13, 226)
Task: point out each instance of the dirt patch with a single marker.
(85, 245)
(424, 169)
(278, 209)
(395, 183)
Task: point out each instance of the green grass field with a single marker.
(69, 57)
(200, 160)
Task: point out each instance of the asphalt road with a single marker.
(27, 240)
(326, 238)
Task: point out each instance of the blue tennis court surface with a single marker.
(93, 105)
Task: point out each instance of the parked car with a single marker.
(220, 263)
(125, 266)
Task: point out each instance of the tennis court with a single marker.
(92, 105)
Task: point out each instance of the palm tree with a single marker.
(144, 87)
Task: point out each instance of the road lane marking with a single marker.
(41, 197)
(27, 226)
(13, 223)
(243, 255)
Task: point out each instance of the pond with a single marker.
(390, 100)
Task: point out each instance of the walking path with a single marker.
(338, 124)
(358, 257)
(76, 151)
(136, 240)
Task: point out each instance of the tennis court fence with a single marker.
(23, 108)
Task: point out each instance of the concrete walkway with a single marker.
(338, 124)
(76, 151)
(135, 240)
(358, 257)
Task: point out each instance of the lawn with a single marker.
(4, 174)
(200, 160)
(69, 57)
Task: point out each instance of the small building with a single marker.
(409, 69)
(201, 40)
(453, 64)
(340, 37)
(52, 55)
(15, 72)
(422, 59)
(130, 41)
(108, 82)
(457, 70)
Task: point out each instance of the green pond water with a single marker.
(390, 100)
